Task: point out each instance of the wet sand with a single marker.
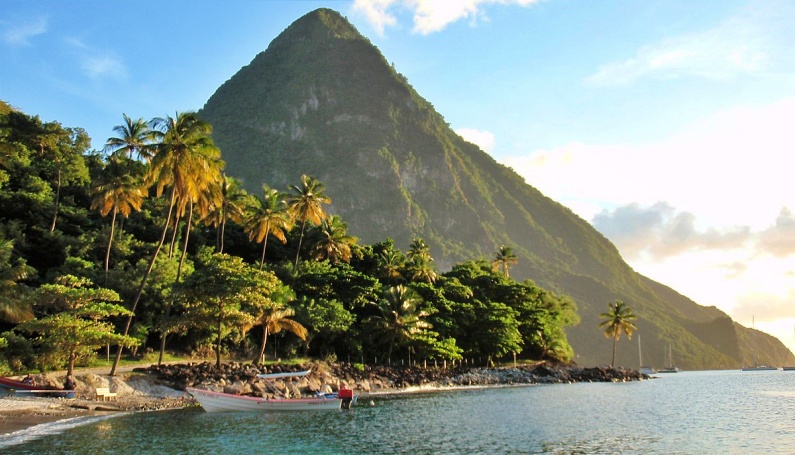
(18, 413)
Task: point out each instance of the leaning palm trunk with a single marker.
(300, 241)
(179, 274)
(110, 242)
(265, 332)
(143, 281)
(264, 244)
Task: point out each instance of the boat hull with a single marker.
(760, 368)
(226, 402)
(9, 386)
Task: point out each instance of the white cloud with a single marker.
(376, 13)
(94, 63)
(732, 168)
(483, 139)
(735, 47)
(21, 34)
(429, 16)
(103, 65)
(660, 231)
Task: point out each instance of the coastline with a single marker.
(161, 388)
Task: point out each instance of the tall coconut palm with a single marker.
(227, 202)
(419, 250)
(133, 137)
(334, 243)
(399, 317)
(306, 205)
(503, 259)
(390, 263)
(185, 159)
(617, 321)
(116, 191)
(274, 319)
(420, 262)
(268, 217)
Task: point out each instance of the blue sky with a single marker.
(667, 124)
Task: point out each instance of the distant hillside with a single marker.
(322, 100)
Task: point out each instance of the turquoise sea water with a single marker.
(715, 412)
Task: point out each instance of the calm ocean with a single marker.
(714, 412)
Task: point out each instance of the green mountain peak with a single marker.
(323, 101)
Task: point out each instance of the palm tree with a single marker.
(133, 137)
(227, 202)
(390, 262)
(420, 264)
(269, 217)
(399, 317)
(185, 159)
(306, 205)
(116, 191)
(14, 308)
(503, 259)
(335, 243)
(274, 319)
(617, 321)
(419, 250)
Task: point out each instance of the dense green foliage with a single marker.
(134, 260)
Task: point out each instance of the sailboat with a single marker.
(757, 366)
(669, 363)
(643, 369)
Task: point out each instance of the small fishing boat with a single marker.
(212, 401)
(15, 387)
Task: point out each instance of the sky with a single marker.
(669, 125)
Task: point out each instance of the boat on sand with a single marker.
(15, 387)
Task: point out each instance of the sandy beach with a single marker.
(20, 413)
(136, 394)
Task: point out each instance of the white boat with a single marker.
(757, 366)
(212, 401)
(643, 369)
(670, 368)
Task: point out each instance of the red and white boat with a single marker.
(15, 387)
(223, 402)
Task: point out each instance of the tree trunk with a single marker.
(218, 347)
(264, 244)
(71, 367)
(57, 201)
(110, 242)
(143, 282)
(264, 341)
(613, 363)
(179, 273)
(300, 241)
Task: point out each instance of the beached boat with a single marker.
(12, 386)
(213, 401)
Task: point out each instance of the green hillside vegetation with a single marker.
(146, 244)
(322, 100)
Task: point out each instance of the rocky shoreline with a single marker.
(241, 379)
(163, 387)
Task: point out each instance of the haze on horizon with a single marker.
(668, 125)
